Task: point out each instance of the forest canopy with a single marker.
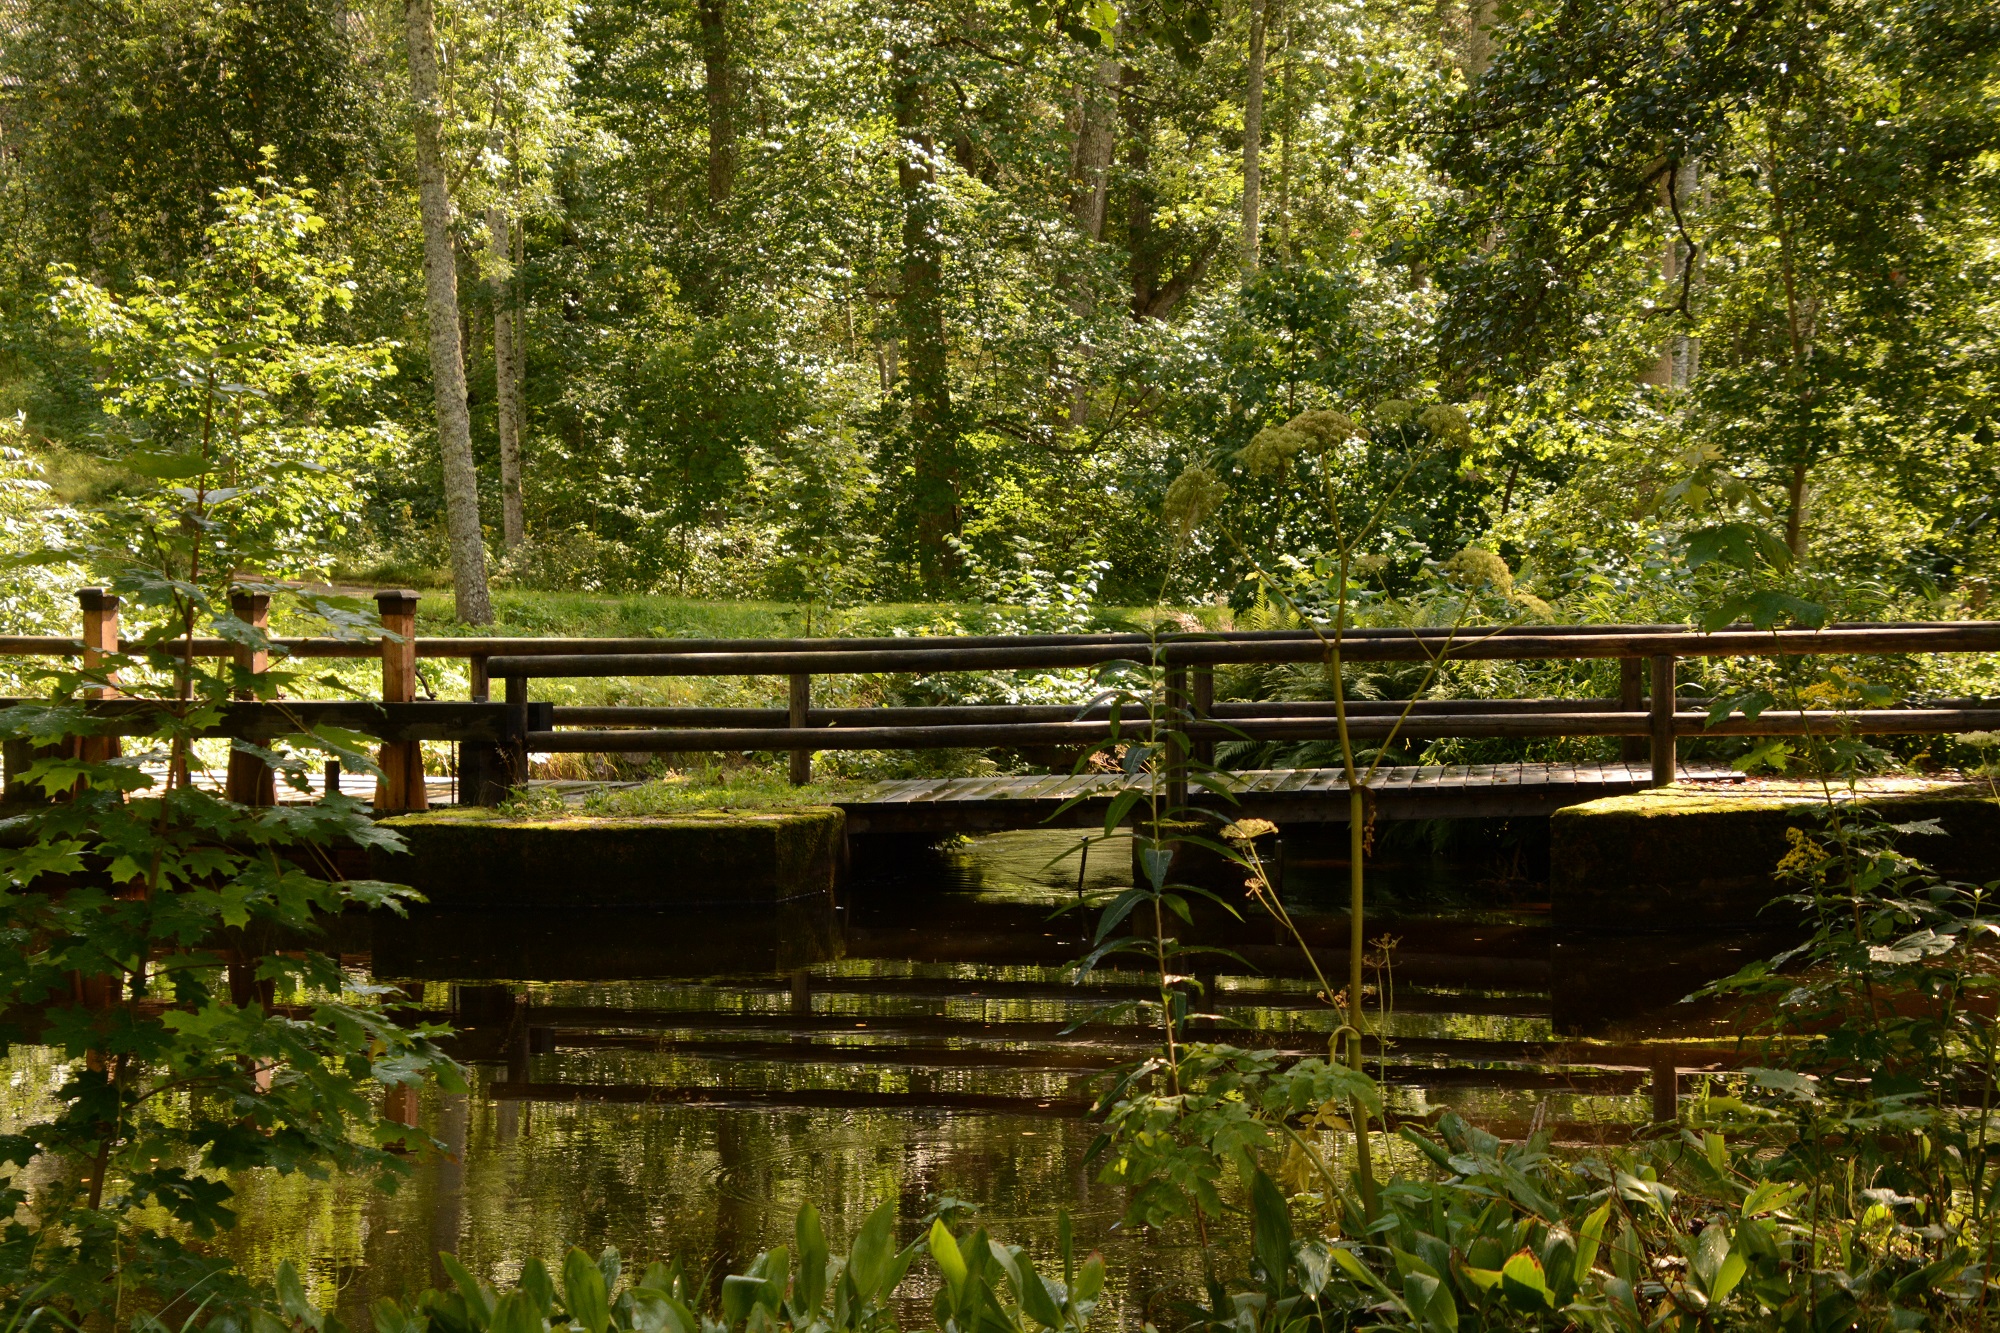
(874, 299)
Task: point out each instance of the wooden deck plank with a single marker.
(1417, 779)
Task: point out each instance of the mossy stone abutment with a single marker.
(469, 857)
(1704, 858)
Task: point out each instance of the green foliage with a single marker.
(213, 382)
(157, 935)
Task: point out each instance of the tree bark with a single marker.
(1253, 140)
(1478, 49)
(920, 310)
(1154, 293)
(472, 604)
(713, 16)
(1800, 329)
(1096, 140)
(1285, 124)
(507, 357)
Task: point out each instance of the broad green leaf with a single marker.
(1523, 1284)
(951, 1263)
(584, 1292)
(811, 1292)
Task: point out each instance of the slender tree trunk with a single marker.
(1479, 17)
(1141, 246)
(1253, 139)
(473, 606)
(920, 302)
(507, 375)
(1799, 333)
(1096, 144)
(714, 16)
(1285, 145)
(1096, 140)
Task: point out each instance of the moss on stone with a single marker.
(478, 858)
(1687, 859)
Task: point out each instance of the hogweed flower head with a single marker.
(1447, 423)
(1192, 499)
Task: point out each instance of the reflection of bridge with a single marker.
(1169, 703)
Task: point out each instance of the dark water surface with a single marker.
(679, 1083)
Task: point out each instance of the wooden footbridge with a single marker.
(1169, 703)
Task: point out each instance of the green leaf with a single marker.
(292, 1295)
(1089, 1280)
(1590, 1236)
(516, 1313)
(1271, 1232)
(1715, 1263)
(169, 466)
(1523, 1284)
(1035, 1297)
(951, 1263)
(1743, 545)
(584, 1292)
(535, 1280)
(392, 1318)
(740, 1294)
(811, 1288)
(868, 1263)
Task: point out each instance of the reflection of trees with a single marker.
(448, 1186)
(738, 1226)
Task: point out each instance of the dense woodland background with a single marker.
(891, 299)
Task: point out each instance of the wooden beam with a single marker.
(250, 780)
(1408, 647)
(401, 786)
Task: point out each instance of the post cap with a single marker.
(397, 600)
(96, 599)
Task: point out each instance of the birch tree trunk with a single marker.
(507, 374)
(472, 605)
(1253, 139)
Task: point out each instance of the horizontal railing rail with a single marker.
(495, 739)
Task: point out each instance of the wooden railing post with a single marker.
(1204, 705)
(401, 786)
(800, 706)
(251, 781)
(100, 640)
(517, 729)
(1662, 719)
(1631, 699)
(1174, 744)
(483, 769)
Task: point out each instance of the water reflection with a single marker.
(679, 1083)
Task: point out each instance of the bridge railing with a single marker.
(495, 739)
(1647, 709)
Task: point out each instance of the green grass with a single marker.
(519, 613)
(696, 792)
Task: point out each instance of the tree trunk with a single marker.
(1478, 49)
(1096, 140)
(472, 604)
(713, 15)
(1253, 139)
(507, 356)
(1800, 329)
(1154, 293)
(1142, 241)
(1285, 124)
(920, 310)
